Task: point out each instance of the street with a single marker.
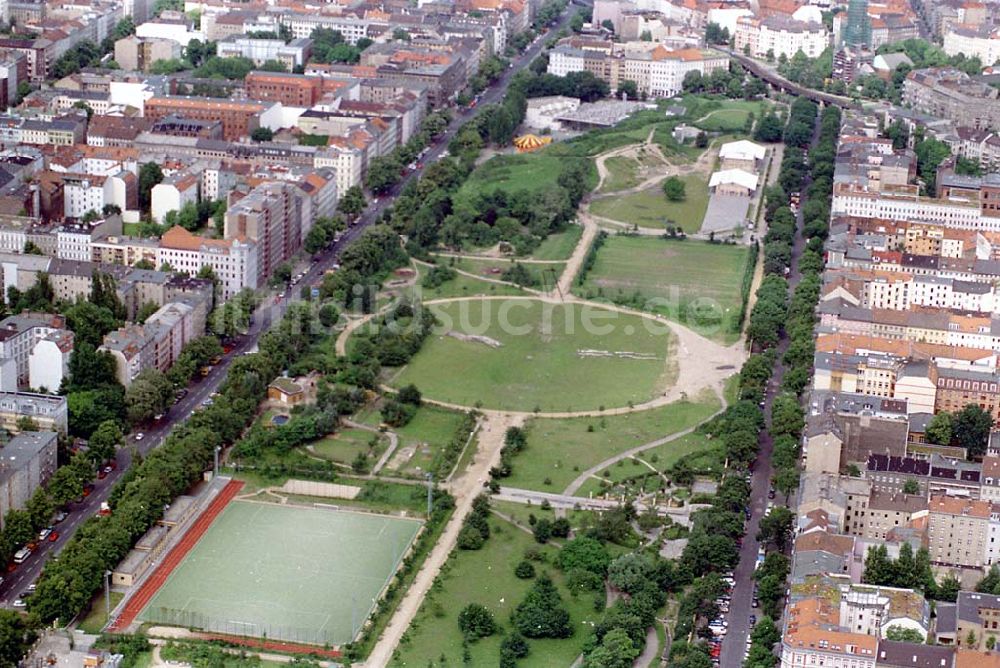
(270, 311)
(734, 644)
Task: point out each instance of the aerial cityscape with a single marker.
(517, 333)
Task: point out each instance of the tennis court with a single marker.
(307, 575)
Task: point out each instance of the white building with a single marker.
(542, 111)
(48, 364)
(172, 194)
(83, 193)
(18, 336)
(780, 36)
(566, 59)
(234, 261)
(346, 161)
(983, 44)
(174, 30)
(260, 51)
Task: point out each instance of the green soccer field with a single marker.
(307, 575)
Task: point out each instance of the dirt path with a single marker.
(391, 435)
(485, 279)
(508, 258)
(464, 488)
(572, 269)
(593, 471)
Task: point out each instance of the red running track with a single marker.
(175, 556)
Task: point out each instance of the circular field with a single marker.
(517, 354)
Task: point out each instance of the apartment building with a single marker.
(295, 90)
(155, 344)
(29, 460)
(656, 70)
(958, 531)
(260, 51)
(274, 216)
(139, 54)
(234, 260)
(981, 42)
(776, 36)
(19, 335)
(239, 118)
(887, 512)
(952, 94)
(48, 363)
(978, 617)
(813, 637)
(48, 411)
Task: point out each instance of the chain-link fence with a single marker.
(194, 619)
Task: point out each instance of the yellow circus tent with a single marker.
(526, 143)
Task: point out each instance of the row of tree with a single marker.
(138, 500)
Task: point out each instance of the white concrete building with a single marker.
(780, 36)
(48, 363)
(973, 42)
(172, 194)
(174, 30)
(18, 336)
(234, 261)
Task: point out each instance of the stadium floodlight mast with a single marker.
(430, 492)
(107, 593)
(215, 470)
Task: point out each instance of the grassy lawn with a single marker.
(344, 445)
(97, 615)
(377, 495)
(546, 275)
(533, 172)
(559, 245)
(559, 449)
(650, 208)
(627, 172)
(701, 452)
(420, 439)
(553, 357)
(463, 286)
(696, 283)
(486, 577)
(725, 120)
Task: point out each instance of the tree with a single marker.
(262, 134)
(104, 442)
(148, 395)
(586, 553)
(878, 566)
(971, 430)
(15, 637)
(524, 570)
(540, 614)
(150, 175)
(769, 128)
(939, 428)
(911, 486)
(701, 140)
(512, 648)
(629, 88)
(542, 530)
(475, 622)
(902, 634)
(608, 25)
(353, 202)
(90, 322)
(617, 650)
(776, 527)
(630, 572)
(674, 189)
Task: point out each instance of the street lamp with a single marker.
(215, 470)
(107, 593)
(430, 492)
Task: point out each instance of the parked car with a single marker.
(44, 533)
(53, 537)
